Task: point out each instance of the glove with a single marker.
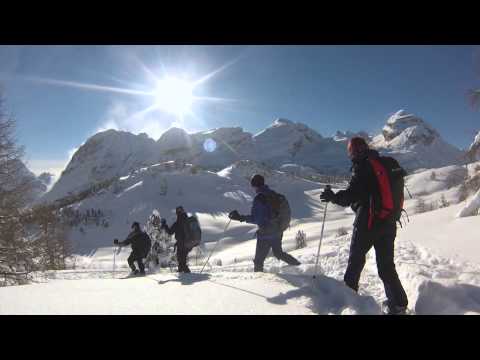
(115, 241)
(163, 222)
(234, 215)
(327, 195)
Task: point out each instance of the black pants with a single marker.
(382, 239)
(182, 255)
(136, 257)
(263, 247)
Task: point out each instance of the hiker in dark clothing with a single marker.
(367, 232)
(178, 228)
(268, 235)
(140, 243)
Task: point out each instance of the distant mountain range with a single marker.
(410, 139)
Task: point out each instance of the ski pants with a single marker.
(382, 239)
(274, 242)
(182, 255)
(136, 257)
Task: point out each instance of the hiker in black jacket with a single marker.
(367, 232)
(140, 243)
(178, 228)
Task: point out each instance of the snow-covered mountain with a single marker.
(25, 176)
(113, 153)
(415, 143)
(105, 155)
(287, 142)
(474, 149)
(47, 179)
(344, 136)
(213, 149)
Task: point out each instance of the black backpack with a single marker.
(282, 214)
(387, 202)
(193, 232)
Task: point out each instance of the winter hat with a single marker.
(357, 146)
(136, 225)
(257, 181)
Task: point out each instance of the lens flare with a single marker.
(209, 145)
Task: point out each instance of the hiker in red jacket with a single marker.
(373, 225)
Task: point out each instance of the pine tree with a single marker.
(443, 202)
(300, 240)
(420, 206)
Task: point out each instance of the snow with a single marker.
(472, 206)
(437, 257)
(212, 196)
(473, 152)
(231, 293)
(437, 253)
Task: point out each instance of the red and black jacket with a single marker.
(363, 192)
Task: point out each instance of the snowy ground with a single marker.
(437, 257)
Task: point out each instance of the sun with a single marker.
(174, 95)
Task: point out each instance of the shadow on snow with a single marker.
(435, 298)
(327, 295)
(187, 279)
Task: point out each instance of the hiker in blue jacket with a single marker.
(268, 234)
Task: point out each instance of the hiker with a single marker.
(141, 244)
(269, 233)
(178, 228)
(374, 224)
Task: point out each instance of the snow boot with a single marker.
(393, 309)
(133, 273)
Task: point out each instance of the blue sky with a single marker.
(327, 87)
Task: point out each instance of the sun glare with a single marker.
(174, 95)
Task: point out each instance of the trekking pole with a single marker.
(213, 250)
(411, 197)
(321, 236)
(114, 254)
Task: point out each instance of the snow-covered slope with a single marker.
(436, 253)
(167, 185)
(431, 264)
(415, 143)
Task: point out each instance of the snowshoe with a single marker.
(132, 274)
(387, 309)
